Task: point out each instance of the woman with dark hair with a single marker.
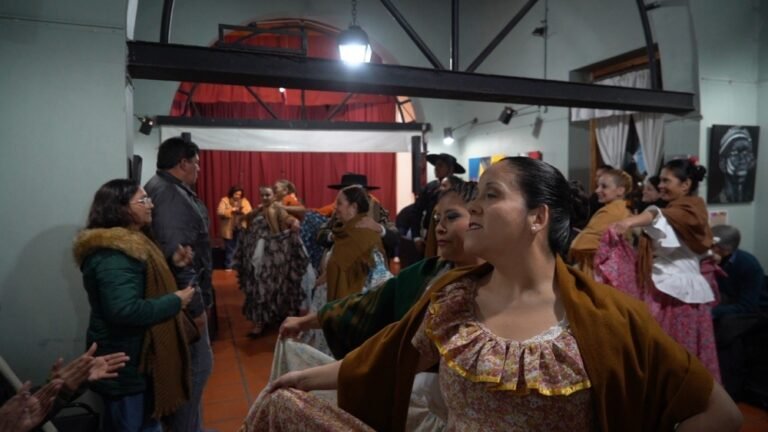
(651, 194)
(430, 243)
(612, 188)
(350, 321)
(134, 309)
(524, 342)
(675, 240)
(355, 263)
(232, 210)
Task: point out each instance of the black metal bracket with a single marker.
(454, 35)
(649, 47)
(412, 34)
(253, 31)
(500, 37)
(171, 62)
(165, 24)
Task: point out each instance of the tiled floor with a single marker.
(241, 366)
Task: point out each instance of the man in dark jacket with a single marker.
(743, 308)
(445, 166)
(180, 219)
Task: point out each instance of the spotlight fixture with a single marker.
(540, 31)
(354, 47)
(448, 136)
(506, 115)
(448, 132)
(537, 126)
(147, 123)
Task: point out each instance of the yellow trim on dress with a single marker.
(434, 309)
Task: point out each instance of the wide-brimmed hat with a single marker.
(450, 160)
(350, 179)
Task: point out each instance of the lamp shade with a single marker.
(353, 46)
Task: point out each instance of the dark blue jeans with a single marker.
(127, 414)
(230, 246)
(188, 417)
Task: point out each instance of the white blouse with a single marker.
(676, 269)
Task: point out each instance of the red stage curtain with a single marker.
(310, 172)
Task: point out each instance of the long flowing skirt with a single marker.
(270, 269)
(294, 410)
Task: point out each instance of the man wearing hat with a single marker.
(445, 166)
(377, 219)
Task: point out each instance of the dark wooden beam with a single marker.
(168, 62)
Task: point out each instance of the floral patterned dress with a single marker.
(491, 383)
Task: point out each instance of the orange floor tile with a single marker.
(241, 365)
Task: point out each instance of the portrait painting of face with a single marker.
(733, 164)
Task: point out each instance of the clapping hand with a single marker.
(88, 367)
(24, 411)
(183, 256)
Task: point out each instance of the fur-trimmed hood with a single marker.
(132, 243)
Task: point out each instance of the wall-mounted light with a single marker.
(448, 132)
(540, 31)
(354, 47)
(506, 115)
(147, 123)
(448, 136)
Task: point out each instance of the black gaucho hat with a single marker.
(350, 179)
(450, 160)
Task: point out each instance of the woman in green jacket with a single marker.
(134, 309)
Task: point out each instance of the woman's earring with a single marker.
(533, 228)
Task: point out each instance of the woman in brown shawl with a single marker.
(523, 342)
(356, 262)
(135, 308)
(669, 272)
(612, 187)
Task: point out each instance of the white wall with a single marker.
(761, 191)
(580, 33)
(728, 48)
(63, 133)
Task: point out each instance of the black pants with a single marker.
(737, 338)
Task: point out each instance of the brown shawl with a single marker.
(584, 246)
(641, 379)
(165, 354)
(351, 259)
(688, 217)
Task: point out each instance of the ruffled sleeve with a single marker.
(549, 363)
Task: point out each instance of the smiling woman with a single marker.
(675, 239)
(134, 308)
(612, 187)
(526, 312)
